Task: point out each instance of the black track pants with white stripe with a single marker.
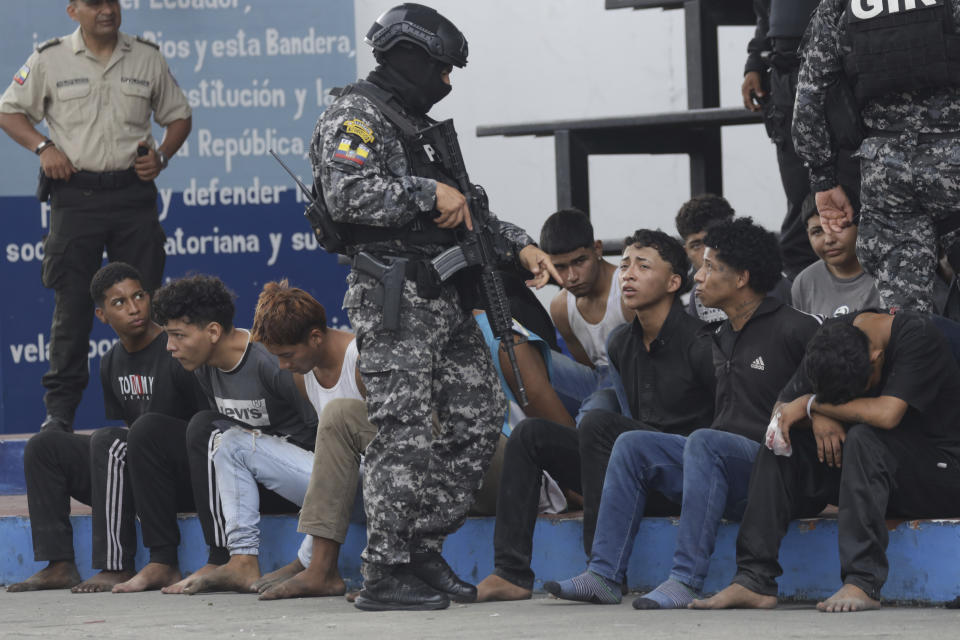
(92, 470)
(161, 471)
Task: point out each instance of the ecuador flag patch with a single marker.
(346, 154)
(21, 76)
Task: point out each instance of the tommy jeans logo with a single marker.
(757, 364)
(134, 386)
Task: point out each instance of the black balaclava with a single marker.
(408, 72)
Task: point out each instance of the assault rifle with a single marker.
(483, 247)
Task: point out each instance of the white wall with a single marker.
(539, 60)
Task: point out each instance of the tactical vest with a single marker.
(900, 45)
(339, 237)
(789, 18)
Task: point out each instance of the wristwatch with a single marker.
(47, 142)
(164, 160)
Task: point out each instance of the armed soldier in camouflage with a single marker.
(386, 189)
(900, 57)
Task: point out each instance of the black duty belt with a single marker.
(104, 181)
(922, 138)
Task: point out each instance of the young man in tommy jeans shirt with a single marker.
(138, 376)
(265, 426)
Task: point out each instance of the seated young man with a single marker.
(667, 376)
(756, 350)
(292, 326)
(694, 218)
(263, 426)
(874, 424)
(585, 311)
(138, 376)
(836, 284)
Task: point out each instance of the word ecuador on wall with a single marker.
(257, 74)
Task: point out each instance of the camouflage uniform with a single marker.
(910, 187)
(417, 489)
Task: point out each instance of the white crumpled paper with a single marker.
(774, 438)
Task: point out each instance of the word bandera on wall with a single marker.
(257, 74)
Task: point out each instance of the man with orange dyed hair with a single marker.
(292, 325)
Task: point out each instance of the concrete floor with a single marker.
(60, 614)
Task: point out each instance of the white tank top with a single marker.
(593, 337)
(346, 386)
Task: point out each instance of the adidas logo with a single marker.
(757, 364)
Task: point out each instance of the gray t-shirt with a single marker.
(816, 290)
(258, 393)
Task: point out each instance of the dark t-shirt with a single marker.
(149, 380)
(918, 368)
(671, 387)
(261, 395)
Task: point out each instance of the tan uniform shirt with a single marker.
(97, 113)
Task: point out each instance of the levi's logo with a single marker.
(868, 9)
(250, 412)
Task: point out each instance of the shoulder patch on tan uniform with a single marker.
(52, 42)
(148, 43)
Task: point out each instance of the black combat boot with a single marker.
(400, 591)
(430, 567)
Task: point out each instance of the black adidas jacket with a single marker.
(765, 355)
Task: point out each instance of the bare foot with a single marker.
(308, 584)
(276, 577)
(237, 575)
(61, 574)
(177, 587)
(155, 575)
(494, 588)
(849, 598)
(735, 597)
(103, 581)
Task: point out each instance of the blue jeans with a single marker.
(245, 457)
(708, 473)
(588, 388)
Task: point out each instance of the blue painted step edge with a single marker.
(924, 564)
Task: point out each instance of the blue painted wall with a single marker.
(282, 56)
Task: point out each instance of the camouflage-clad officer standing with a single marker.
(899, 56)
(772, 62)
(96, 89)
(386, 184)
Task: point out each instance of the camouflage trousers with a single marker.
(417, 488)
(911, 209)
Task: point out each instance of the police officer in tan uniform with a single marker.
(96, 89)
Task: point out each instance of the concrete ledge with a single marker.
(924, 566)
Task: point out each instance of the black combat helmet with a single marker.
(424, 27)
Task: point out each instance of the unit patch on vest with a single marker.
(869, 9)
(21, 76)
(360, 129)
(345, 153)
